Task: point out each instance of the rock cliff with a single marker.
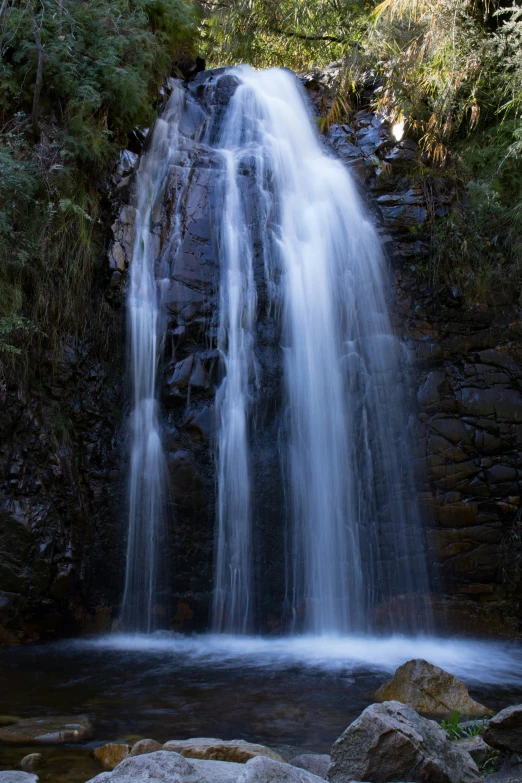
(62, 454)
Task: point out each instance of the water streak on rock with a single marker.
(147, 480)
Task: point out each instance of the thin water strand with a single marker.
(147, 475)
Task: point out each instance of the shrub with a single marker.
(101, 64)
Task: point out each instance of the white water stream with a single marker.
(345, 452)
(282, 204)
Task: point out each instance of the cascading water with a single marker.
(291, 239)
(232, 594)
(345, 449)
(147, 479)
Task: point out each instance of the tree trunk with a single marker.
(39, 76)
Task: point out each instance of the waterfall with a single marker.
(147, 474)
(345, 449)
(287, 238)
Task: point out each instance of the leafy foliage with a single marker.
(103, 62)
(456, 730)
(450, 69)
(290, 33)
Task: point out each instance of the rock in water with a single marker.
(110, 755)
(145, 746)
(315, 763)
(5, 720)
(15, 776)
(504, 731)
(54, 730)
(430, 690)
(168, 767)
(220, 750)
(264, 770)
(31, 762)
(391, 742)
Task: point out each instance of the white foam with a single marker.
(474, 661)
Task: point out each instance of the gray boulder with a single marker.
(261, 769)
(315, 763)
(391, 742)
(504, 731)
(476, 747)
(166, 766)
(15, 776)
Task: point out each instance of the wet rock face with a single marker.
(468, 366)
(192, 367)
(60, 477)
(47, 731)
(110, 755)
(220, 750)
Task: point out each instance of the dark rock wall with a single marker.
(62, 450)
(60, 467)
(469, 376)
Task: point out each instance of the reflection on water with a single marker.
(300, 691)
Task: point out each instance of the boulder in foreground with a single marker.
(430, 690)
(167, 767)
(145, 746)
(264, 770)
(15, 776)
(476, 747)
(390, 742)
(54, 730)
(504, 731)
(315, 763)
(220, 750)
